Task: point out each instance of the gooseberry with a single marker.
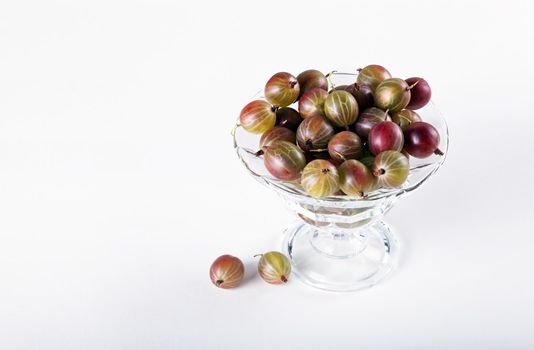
(405, 117)
(372, 75)
(227, 271)
(355, 178)
(284, 160)
(282, 89)
(288, 117)
(257, 117)
(420, 93)
(392, 95)
(314, 133)
(362, 93)
(341, 108)
(386, 136)
(368, 119)
(391, 169)
(320, 178)
(278, 133)
(421, 140)
(311, 79)
(312, 103)
(345, 145)
(274, 267)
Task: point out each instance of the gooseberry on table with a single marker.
(227, 271)
(274, 267)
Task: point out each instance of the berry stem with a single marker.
(340, 156)
(379, 172)
(358, 70)
(219, 282)
(330, 84)
(413, 85)
(438, 152)
(237, 125)
(283, 278)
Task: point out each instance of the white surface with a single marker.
(119, 184)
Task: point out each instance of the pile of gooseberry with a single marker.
(350, 139)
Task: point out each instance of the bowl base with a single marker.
(341, 261)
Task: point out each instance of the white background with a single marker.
(119, 184)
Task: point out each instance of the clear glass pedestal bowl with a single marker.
(341, 243)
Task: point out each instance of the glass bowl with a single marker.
(340, 243)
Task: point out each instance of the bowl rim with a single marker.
(284, 187)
